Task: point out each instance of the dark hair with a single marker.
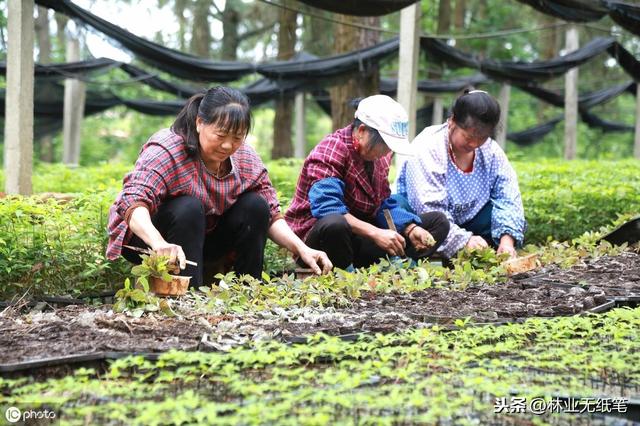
(478, 110)
(225, 107)
(375, 138)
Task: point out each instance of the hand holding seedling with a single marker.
(172, 251)
(421, 238)
(476, 242)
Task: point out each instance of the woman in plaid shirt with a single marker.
(199, 192)
(343, 191)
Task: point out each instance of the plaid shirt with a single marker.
(336, 157)
(164, 170)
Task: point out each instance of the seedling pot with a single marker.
(176, 287)
(521, 264)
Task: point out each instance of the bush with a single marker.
(564, 199)
(54, 248)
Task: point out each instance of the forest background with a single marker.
(267, 30)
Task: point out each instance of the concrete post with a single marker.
(18, 119)
(636, 145)
(300, 148)
(438, 108)
(74, 97)
(571, 99)
(408, 59)
(503, 99)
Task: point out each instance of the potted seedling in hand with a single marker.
(156, 273)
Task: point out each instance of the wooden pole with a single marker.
(571, 99)
(301, 141)
(408, 60)
(438, 108)
(636, 145)
(503, 99)
(18, 119)
(74, 97)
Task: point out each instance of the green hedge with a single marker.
(564, 199)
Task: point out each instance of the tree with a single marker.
(361, 83)
(282, 146)
(201, 32)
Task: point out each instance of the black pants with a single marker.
(242, 229)
(333, 235)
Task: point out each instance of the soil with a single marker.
(616, 276)
(548, 292)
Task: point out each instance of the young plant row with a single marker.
(231, 294)
(422, 376)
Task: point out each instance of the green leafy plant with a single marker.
(152, 265)
(135, 299)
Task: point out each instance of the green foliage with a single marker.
(424, 376)
(54, 248)
(564, 199)
(135, 300)
(153, 265)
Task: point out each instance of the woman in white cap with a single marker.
(343, 191)
(462, 172)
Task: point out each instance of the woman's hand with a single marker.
(420, 238)
(316, 260)
(282, 235)
(141, 225)
(390, 241)
(173, 251)
(476, 242)
(507, 245)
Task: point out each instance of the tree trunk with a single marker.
(318, 37)
(361, 83)
(444, 16)
(481, 10)
(44, 57)
(459, 14)
(282, 146)
(201, 33)
(549, 45)
(179, 8)
(231, 37)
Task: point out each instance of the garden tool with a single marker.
(392, 226)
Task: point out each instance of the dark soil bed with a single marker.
(615, 275)
(551, 292)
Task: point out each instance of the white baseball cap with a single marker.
(389, 118)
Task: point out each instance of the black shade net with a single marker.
(517, 72)
(570, 10)
(625, 14)
(534, 134)
(172, 61)
(359, 7)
